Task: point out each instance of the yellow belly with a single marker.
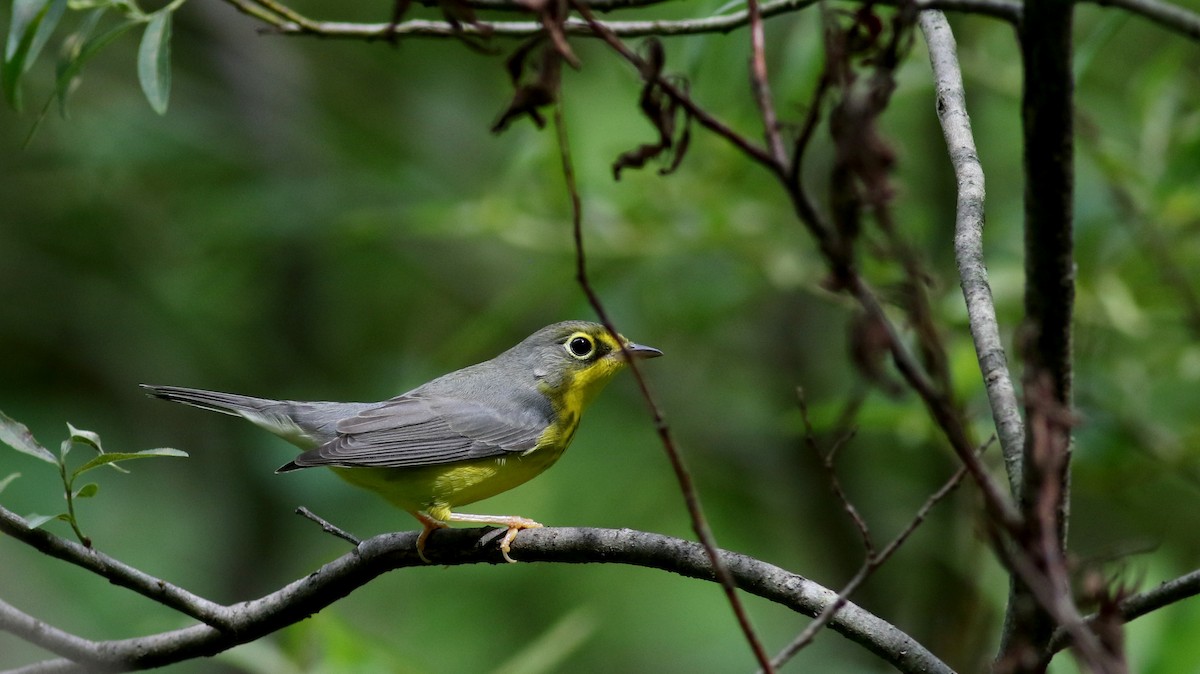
(436, 490)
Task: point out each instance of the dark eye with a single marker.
(581, 346)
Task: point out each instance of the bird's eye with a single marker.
(581, 346)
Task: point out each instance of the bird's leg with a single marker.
(430, 524)
(513, 523)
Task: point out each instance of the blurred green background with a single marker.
(322, 219)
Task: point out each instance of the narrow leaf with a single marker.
(113, 457)
(16, 435)
(27, 14)
(45, 28)
(154, 61)
(34, 521)
(8, 480)
(81, 50)
(85, 437)
(87, 491)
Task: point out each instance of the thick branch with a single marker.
(247, 621)
(1047, 110)
(968, 240)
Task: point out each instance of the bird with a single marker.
(457, 439)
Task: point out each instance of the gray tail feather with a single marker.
(215, 401)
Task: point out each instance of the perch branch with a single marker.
(246, 621)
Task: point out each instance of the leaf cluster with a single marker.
(34, 22)
(16, 435)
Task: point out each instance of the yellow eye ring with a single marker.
(580, 346)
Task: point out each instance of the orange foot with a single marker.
(430, 524)
(513, 523)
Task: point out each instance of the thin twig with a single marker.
(1006, 10)
(683, 475)
(702, 116)
(328, 527)
(998, 506)
(289, 14)
(761, 86)
(1131, 608)
(870, 564)
(253, 9)
(968, 241)
(827, 458)
(1170, 16)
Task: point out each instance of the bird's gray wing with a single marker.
(415, 430)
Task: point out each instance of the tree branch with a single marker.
(871, 563)
(1172, 17)
(1140, 604)
(250, 620)
(683, 475)
(968, 241)
(1001, 9)
(1045, 341)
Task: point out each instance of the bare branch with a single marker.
(1140, 604)
(999, 507)
(968, 241)
(1045, 343)
(872, 562)
(760, 84)
(827, 458)
(1001, 9)
(702, 116)
(1172, 17)
(247, 621)
(682, 474)
(117, 572)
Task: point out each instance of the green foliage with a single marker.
(359, 244)
(17, 435)
(154, 60)
(34, 21)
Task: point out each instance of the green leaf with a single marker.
(16, 435)
(154, 60)
(85, 437)
(49, 22)
(34, 521)
(25, 15)
(8, 480)
(80, 48)
(32, 23)
(87, 491)
(113, 457)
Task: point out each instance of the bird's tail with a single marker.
(304, 424)
(214, 401)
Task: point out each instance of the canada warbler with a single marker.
(455, 440)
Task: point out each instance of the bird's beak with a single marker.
(641, 352)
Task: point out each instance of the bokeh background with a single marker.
(323, 219)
